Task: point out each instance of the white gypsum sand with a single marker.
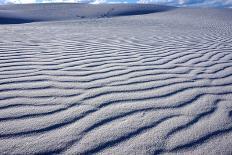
(120, 83)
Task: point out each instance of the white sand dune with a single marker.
(15, 14)
(158, 83)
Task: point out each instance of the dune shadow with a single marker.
(9, 20)
(141, 12)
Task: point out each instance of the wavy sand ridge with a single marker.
(147, 84)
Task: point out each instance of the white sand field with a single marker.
(112, 80)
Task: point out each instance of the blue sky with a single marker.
(203, 3)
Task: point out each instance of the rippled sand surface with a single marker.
(158, 83)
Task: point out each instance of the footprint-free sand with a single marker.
(120, 79)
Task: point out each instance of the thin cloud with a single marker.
(202, 3)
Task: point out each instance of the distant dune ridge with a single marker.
(14, 14)
(157, 83)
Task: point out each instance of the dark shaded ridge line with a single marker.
(128, 83)
(136, 90)
(121, 91)
(125, 83)
(105, 121)
(121, 74)
(173, 67)
(201, 140)
(72, 105)
(26, 105)
(97, 73)
(40, 96)
(40, 88)
(84, 81)
(116, 57)
(46, 129)
(92, 87)
(126, 137)
(142, 110)
(10, 118)
(148, 98)
(110, 119)
(98, 124)
(87, 61)
(154, 97)
(155, 87)
(194, 121)
(193, 99)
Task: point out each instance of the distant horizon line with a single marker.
(92, 3)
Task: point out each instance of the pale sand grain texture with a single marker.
(158, 83)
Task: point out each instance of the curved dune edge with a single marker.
(153, 84)
(26, 13)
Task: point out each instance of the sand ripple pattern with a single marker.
(150, 84)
